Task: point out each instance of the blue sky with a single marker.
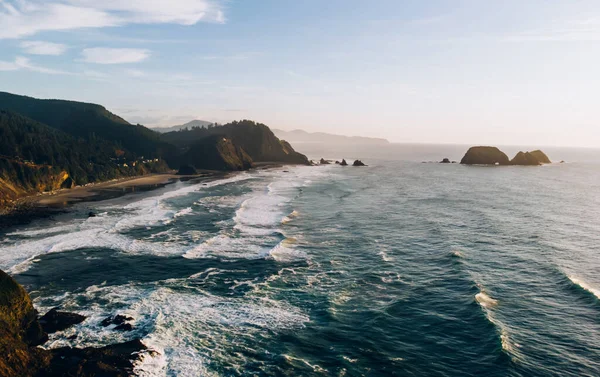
(474, 72)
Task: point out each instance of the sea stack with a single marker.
(485, 156)
(358, 163)
(324, 162)
(541, 157)
(344, 163)
(525, 159)
(445, 161)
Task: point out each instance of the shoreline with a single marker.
(45, 205)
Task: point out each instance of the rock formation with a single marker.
(324, 162)
(445, 161)
(358, 163)
(485, 156)
(541, 157)
(344, 163)
(21, 332)
(525, 159)
(494, 156)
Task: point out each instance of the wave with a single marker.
(488, 303)
(485, 300)
(289, 218)
(285, 251)
(169, 316)
(585, 286)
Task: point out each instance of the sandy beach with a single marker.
(111, 189)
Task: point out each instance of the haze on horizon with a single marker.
(442, 71)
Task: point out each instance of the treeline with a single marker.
(29, 151)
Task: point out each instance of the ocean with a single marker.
(401, 268)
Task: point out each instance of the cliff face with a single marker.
(21, 333)
(217, 153)
(485, 156)
(256, 139)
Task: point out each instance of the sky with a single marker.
(439, 71)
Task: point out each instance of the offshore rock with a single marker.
(485, 156)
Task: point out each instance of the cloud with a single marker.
(23, 18)
(103, 55)
(135, 73)
(43, 48)
(23, 63)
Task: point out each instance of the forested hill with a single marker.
(256, 139)
(35, 158)
(50, 144)
(90, 122)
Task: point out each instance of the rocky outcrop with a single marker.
(55, 321)
(218, 153)
(358, 163)
(344, 163)
(485, 156)
(541, 157)
(494, 156)
(21, 332)
(324, 162)
(525, 159)
(445, 161)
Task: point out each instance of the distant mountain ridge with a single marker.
(189, 125)
(301, 136)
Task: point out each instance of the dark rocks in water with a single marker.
(324, 162)
(21, 332)
(92, 214)
(113, 360)
(525, 159)
(454, 162)
(55, 321)
(541, 157)
(186, 169)
(358, 163)
(337, 162)
(562, 162)
(485, 156)
(124, 327)
(116, 320)
(344, 163)
(445, 161)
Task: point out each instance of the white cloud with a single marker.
(43, 48)
(23, 63)
(22, 18)
(135, 73)
(103, 55)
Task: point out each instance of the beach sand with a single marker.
(104, 190)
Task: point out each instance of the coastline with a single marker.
(44, 205)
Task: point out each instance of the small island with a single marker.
(485, 155)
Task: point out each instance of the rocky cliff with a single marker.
(217, 153)
(21, 333)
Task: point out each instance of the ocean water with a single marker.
(397, 269)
